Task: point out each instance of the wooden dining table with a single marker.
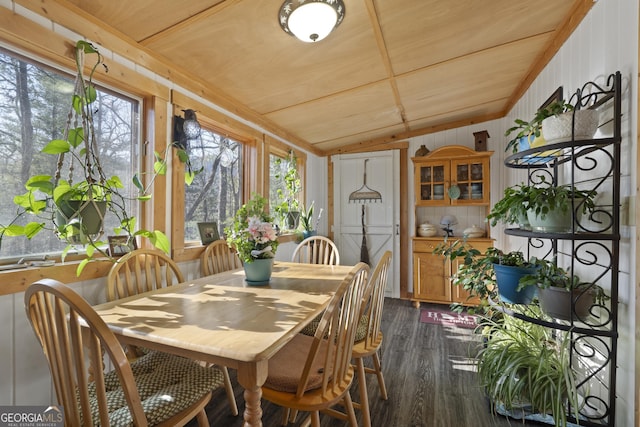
(221, 319)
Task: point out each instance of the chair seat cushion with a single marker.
(361, 332)
(167, 384)
(285, 368)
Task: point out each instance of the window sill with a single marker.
(18, 280)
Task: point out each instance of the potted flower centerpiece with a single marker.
(254, 238)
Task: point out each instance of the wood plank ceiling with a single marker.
(391, 70)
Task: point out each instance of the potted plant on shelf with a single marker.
(509, 269)
(74, 208)
(564, 122)
(561, 295)
(529, 133)
(253, 237)
(288, 207)
(552, 208)
(525, 369)
(512, 208)
(489, 275)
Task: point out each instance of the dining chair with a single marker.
(218, 257)
(369, 341)
(316, 250)
(140, 271)
(312, 374)
(153, 390)
(144, 270)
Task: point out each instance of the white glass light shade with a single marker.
(311, 20)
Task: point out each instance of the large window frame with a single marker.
(134, 103)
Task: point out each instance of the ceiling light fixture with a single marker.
(311, 20)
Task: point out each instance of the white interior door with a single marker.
(380, 216)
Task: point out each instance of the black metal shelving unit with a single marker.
(594, 243)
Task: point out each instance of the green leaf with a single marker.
(82, 265)
(189, 177)
(76, 137)
(115, 182)
(90, 250)
(33, 228)
(91, 94)
(56, 146)
(85, 46)
(64, 252)
(77, 104)
(12, 230)
(137, 182)
(182, 155)
(40, 182)
(160, 167)
(160, 241)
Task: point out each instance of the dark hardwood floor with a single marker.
(428, 371)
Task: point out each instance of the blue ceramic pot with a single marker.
(306, 233)
(259, 271)
(507, 279)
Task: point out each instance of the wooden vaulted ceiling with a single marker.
(393, 69)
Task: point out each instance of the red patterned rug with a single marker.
(445, 317)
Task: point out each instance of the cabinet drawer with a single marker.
(426, 245)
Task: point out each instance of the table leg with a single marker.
(252, 376)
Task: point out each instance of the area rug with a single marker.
(445, 317)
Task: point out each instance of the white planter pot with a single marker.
(559, 128)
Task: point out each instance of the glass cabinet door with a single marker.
(432, 181)
(469, 176)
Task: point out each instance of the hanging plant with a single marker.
(74, 206)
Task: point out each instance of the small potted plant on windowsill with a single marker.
(308, 222)
(74, 208)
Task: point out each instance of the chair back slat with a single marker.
(72, 336)
(374, 299)
(140, 271)
(218, 257)
(336, 333)
(316, 250)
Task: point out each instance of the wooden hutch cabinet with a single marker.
(452, 176)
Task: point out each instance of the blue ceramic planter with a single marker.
(507, 278)
(306, 234)
(259, 271)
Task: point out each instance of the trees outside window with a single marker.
(216, 192)
(34, 100)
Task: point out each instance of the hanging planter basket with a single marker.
(85, 216)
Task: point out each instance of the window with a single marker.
(216, 192)
(34, 100)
